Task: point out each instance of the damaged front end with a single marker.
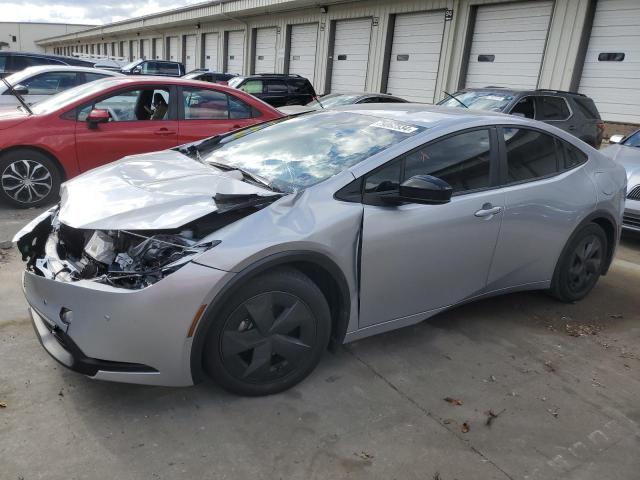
(129, 259)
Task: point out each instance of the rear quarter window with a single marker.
(586, 107)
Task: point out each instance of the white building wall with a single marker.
(22, 36)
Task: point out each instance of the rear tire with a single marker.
(580, 264)
(28, 178)
(270, 334)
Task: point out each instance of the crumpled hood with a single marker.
(160, 190)
(628, 157)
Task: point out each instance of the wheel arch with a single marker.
(323, 271)
(607, 222)
(47, 153)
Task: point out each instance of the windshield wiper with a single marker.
(247, 175)
(459, 101)
(17, 95)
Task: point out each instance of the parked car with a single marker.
(573, 112)
(341, 99)
(206, 75)
(626, 152)
(276, 89)
(257, 248)
(11, 62)
(39, 83)
(96, 123)
(154, 67)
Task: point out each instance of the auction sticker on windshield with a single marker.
(395, 126)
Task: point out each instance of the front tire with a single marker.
(580, 265)
(270, 335)
(28, 178)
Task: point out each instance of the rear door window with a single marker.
(552, 109)
(276, 86)
(530, 154)
(51, 83)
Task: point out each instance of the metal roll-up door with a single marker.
(211, 51)
(302, 54)
(235, 52)
(350, 55)
(265, 54)
(158, 48)
(415, 55)
(508, 44)
(145, 49)
(190, 52)
(173, 49)
(611, 72)
(134, 50)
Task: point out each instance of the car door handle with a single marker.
(236, 126)
(572, 127)
(487, 210)
(164, 131)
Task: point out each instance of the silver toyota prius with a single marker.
(245, 256)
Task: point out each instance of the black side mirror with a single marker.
(425, 189)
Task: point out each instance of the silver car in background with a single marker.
(626, 152)
(39, 83)
(245, 255)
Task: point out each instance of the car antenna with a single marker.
(18, 96)
(459, 101)
(317, 99)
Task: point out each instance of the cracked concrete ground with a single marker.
(567, 406)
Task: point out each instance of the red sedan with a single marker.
(103, 121)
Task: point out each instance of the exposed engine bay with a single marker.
(130, 259)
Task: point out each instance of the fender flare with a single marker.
(267, 263)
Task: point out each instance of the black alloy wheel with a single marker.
(271, 334)
(581, 264)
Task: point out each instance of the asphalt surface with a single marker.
(561, 383)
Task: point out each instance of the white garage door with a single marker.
(351, 55)
(145, 49)
(211, 51)
(158, 48)
(508, 44)
(302, 56)
(173, 49)
(265, 61)
(235, 52)
(190, 52)
(415, 54)
(611, 73)
(135, 50)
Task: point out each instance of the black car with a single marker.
(11, 62)
(154, 67)
(206, 75)
(277, 90)
(573, 112)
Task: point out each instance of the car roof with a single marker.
(431, 116)
(515, 91)
(29, 71)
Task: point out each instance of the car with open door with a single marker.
(99, 122)
(259, 248)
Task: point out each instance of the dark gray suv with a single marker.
(573, 112)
